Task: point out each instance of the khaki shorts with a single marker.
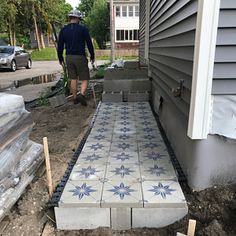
(77, 67)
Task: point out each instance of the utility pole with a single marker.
(112, 31)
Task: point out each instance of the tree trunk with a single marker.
(14, 37)
(10, 35)
(36, 29)
(42, 40)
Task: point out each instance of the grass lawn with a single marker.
(47, 54)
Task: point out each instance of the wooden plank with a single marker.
(48, 166)
(191, 227)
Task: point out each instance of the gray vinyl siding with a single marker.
(224, 75)
(142, 26)
(171, 49)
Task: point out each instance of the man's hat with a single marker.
(75, 13)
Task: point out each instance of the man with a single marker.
(74, 37)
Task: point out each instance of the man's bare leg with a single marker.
(73, 88)
(83, 87)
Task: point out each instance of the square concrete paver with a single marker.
(92, 158)
(122, 194)
(86, 172)
(163, 194)
(81, 194)
(123, 172)
(123, 158)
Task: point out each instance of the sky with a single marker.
(73, 3)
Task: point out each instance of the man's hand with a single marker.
(92, 60)
(62, 63)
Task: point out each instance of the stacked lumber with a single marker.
(19, 156)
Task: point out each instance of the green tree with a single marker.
(86, 6)
(98, 22)
(20, 17)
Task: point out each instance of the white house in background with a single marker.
(126, 14)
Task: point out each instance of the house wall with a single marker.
(171, 48)
(225, 59)
(142, 26)
(224, 78)
(171, 52)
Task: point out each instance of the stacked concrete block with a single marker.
(131, 80)
(19, 156)
(112, 96)
(138, 96)
(123, 177)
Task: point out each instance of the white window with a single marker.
(136, 35)
(124, 11)
(137, 11)
(118, 11)
(131, 11)
(127, 35)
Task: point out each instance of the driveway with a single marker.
(38, 68)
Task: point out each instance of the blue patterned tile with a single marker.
(99, 137)
(121, 117)
(103, 124)
(97, 147)
(88, 172)
(163, 194)
(122, 194)
(154, 156)
(147, 137)
(101, 118)
(125, 130)
(119, 138)
(123, 172)
(147, 123)
(123, 157)
(81, 194)
(102, 130)
(124, 147)
(151, 146)
(92, 158)
(148, 130)
(157, 171)
(124, 123)
(144, 117)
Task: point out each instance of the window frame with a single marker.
(121, 35)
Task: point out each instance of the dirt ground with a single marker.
(214, 209)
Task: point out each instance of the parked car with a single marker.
(14, 57)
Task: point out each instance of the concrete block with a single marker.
(124, 74)
(133, 85)
(58, 100)
(156, 217)
(112, 96)
(82, 218)
(138, 96)
(121, 218)
(131, 65)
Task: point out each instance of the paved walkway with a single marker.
(124, 174)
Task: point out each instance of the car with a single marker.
(13, 57)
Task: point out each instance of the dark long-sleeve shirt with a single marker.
(73, 37)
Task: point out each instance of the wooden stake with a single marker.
(94, 95)
(191, 227)
(48, 166)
